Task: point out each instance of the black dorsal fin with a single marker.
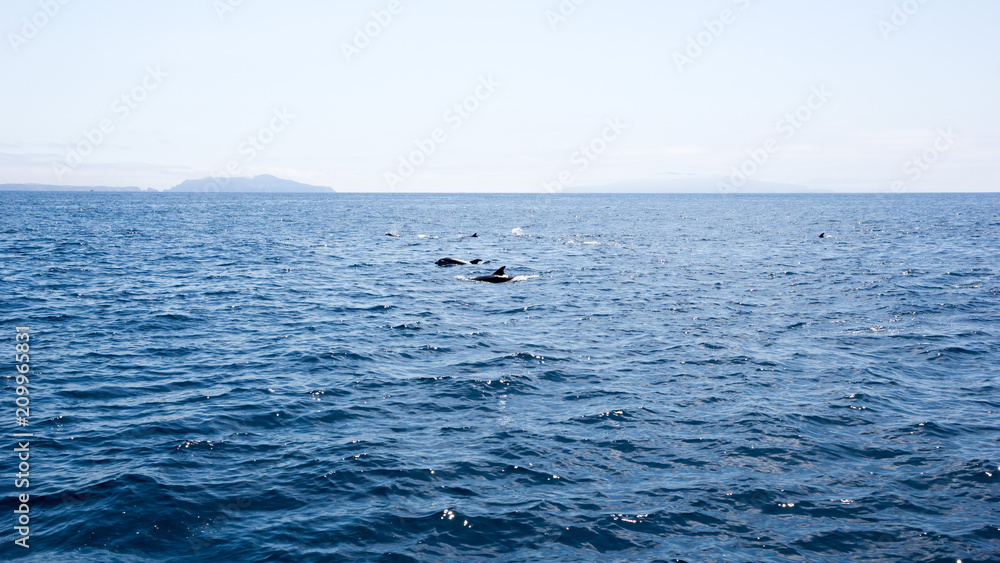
(476, 261)
(500, 271)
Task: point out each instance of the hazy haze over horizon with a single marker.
(829, 96)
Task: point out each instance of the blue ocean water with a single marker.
(262, 377)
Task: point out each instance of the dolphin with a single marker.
(822, 235)
(456, 262)
(496, 277)
(391, 235)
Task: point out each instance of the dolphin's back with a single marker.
(496, 277)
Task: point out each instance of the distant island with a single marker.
(264, 183)
(55, 188)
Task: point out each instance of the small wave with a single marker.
(426, 236)
(592, 243)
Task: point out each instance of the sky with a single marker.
(511, 96)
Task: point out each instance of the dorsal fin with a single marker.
(476, 261)
(500, 271)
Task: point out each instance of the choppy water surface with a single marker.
(695, 378)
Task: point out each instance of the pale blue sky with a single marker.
(349, 122)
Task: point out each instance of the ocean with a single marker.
(269, 377)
